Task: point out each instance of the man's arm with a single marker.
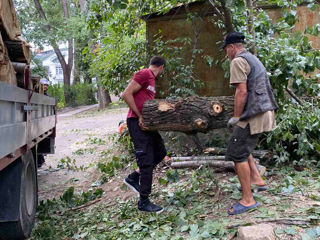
(240, 99)
(127, 96)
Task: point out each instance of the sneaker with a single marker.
(147, 206)
(133, 184)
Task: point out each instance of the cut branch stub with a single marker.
(216, 109)
(165, 106)
(189, 115)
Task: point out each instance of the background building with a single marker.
(50, 61)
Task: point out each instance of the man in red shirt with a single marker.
(148, 145)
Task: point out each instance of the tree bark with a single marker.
(190, 115)
(227, 17)
(225, 165)
(18, 51)
(66, 67)
(67, 71)
(250, 9)
(201, 158)
(262, 154)
(82, 5)
(77, 72)
(224, 14)
(218, 165)
(104, 97)
(9, 24)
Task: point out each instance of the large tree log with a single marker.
(9, 24)
(8, 74)
(190, 115)
(4, 58)
(19, 51)
(20, 69)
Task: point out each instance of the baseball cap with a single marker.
(233, 37)
(44, 81)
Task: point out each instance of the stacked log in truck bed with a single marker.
(15, 53)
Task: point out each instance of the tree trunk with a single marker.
(77, 71)
(66, 67)
(104, 97)
(82, 5)
(250, 10)
(190, 115)
(227, 17)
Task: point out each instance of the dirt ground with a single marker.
(81, 138)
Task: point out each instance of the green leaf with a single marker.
(194, 230)
(205, 234)
(290, 231)
(184, 228)
(162, 181)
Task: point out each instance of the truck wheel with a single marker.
(22, 227)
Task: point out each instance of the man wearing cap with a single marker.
(254, 106)
(45, 84)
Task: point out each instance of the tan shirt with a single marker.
(263, 122)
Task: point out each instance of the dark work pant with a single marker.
(149, 150)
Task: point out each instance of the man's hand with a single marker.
(233, 121)
(141, 124)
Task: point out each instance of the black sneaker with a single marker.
(147, 206)
(133, 184)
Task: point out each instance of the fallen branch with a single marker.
(211, 161)
(286, 221)
(294, 96)
(203, 158)
(262, 154)
(195, 164)
(195, 158)
(84, 205)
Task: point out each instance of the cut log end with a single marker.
(216, 109)
(201, 124)
(165, 106)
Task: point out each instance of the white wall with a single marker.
(55, 70)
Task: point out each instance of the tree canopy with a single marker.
(120, 46)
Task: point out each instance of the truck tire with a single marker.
(22, 227)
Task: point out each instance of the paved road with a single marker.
(77, 110)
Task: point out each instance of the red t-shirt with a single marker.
(146, 79)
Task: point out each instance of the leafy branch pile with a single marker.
(296, 138)
(111, 163)
(196, 203)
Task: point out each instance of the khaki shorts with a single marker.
(241, 144)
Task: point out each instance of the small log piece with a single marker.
(37, 87)
(218, 165)
(4, 58)
(19, 51)
(20, 69)
(261, 154)
(8, 74)
(228, 165)
(9, 24)
(190, 115)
